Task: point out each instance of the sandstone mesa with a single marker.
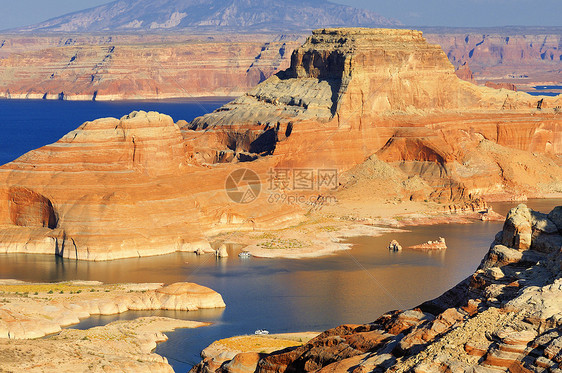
(128, 67)
(383, 107)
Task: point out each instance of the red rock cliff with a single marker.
(83, 66)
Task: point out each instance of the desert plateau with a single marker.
(261, 180)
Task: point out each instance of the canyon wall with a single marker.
(80, 67)
(522, 57)
(144, 185)
(156, 66)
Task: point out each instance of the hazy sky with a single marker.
(14, 13)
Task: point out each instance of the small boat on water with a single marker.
(261, 332)
(244, 254)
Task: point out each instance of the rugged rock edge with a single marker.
(507, 316)
(30, 311)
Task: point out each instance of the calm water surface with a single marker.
(29, 124)
(546, 87)
(546, 90)
(280, 295)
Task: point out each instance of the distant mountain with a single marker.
(240, 15)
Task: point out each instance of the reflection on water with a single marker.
(206, 315)
(283, 295)
(543, 87)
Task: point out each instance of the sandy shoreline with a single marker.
(324, 233)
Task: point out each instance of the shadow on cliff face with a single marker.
(325, 65)
(251, 126)
(30, 209)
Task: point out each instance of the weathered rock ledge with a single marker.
(31, 311)
(507, 316)
(121, 346)
(34, 310)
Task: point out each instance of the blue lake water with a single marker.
(543, 93)
(547, 87)
(546, 90)
(280, 295)
(283, 295)
(29, 124)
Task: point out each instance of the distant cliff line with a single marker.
(178, 65)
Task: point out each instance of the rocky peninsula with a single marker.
(29, 311)
(505, 317)
(377, 115)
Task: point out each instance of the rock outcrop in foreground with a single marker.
(507, 316)
(34, 310)
(121, 346)
(381, 111)
(32, 315)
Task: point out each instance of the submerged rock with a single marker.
(222, 252)
(439, 244)
(394, 246)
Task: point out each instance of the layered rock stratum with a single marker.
(121, 67)
(120, 346)
(29, 311)
(508, 55)
(379, 111)
(505, 317)
(107, 66)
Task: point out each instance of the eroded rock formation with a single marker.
(380, 103)
(353, 82)
(505, 317)
(510, 86)
(123, 346)
(464, 72)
